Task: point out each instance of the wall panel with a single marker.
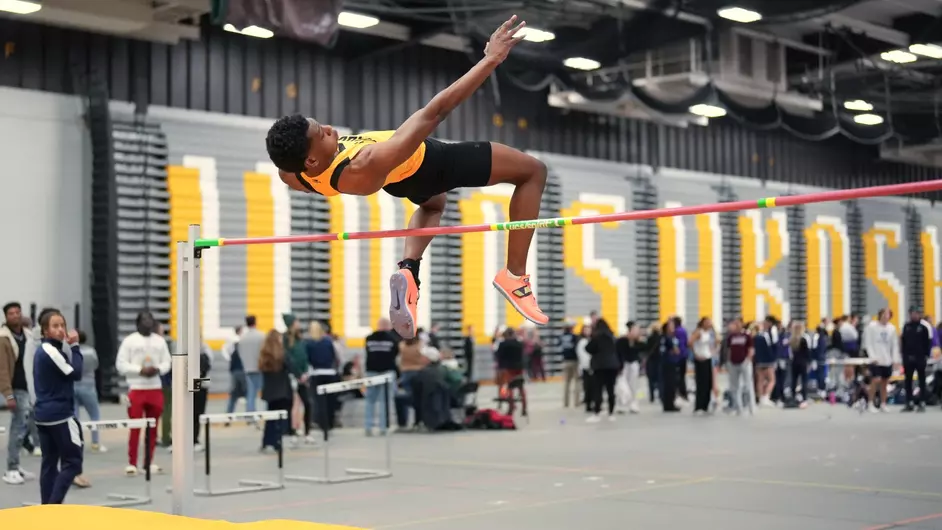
(45, 199)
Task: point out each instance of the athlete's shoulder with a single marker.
(366, 137)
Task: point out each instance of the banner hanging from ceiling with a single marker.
(311, 20)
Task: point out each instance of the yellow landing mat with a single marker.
(97, 518)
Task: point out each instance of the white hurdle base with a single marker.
(352, 474)
(244, 485)
(125, 500)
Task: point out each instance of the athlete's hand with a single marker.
(11, 404)
(72, 338)
(503, 40)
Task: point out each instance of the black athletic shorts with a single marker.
(447, 166)
(881, 372)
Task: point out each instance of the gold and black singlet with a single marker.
(348, 147)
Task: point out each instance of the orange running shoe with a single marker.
(402, 303)
(517, 291)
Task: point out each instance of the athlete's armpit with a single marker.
(364, 174)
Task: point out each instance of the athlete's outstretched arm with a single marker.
(367, 172)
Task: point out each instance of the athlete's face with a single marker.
(323, 146)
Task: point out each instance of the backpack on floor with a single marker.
(490, 419)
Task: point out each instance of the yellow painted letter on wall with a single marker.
(931, 271)
(259, 259)
(673, 274)
(186, 208)
(876, 240)
(480, 262)
(355, 307)
(579, 255)
(827, 268)
(762, 251)
(281, 204)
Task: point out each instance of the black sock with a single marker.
(412, 265)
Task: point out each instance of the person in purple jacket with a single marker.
(60, 435)
(681, 334)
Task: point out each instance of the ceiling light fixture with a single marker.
(581, 63)
(927, 50)
(251, 31)
(708, 111)
(738, 14)
(535, 35)
(868, 119)
(858, 105)
(356, 20)
(19, 7)
(898, 56)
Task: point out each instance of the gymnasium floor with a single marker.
(824, 468)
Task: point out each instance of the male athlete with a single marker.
(407, 163)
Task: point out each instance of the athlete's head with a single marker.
(297, 144)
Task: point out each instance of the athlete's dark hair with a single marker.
(287, 143)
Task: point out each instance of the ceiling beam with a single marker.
(874, 31)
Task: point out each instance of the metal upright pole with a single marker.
(182, 474)
(185, 370)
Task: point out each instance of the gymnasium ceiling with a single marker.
(833, 46)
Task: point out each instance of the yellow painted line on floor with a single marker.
(541, 504)
(826, 486)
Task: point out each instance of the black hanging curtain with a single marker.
(310, 20)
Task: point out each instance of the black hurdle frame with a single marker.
(245, 485)
(351, 474)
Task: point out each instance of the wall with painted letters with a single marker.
(801, 262)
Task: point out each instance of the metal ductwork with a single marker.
(165, 21)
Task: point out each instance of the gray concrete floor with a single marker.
(823, 468)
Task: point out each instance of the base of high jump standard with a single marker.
(351, 474)
(245, 485)
(125, 500)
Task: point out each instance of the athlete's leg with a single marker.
(528, 175)
(404, 284)
(428, 214)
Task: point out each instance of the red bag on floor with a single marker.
(490, 419)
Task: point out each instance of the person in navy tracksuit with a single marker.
(60, 435)
(821, 341)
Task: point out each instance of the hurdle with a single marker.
(124, 500)
(245, 485)
(352, 474)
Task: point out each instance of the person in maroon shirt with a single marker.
(740, 347)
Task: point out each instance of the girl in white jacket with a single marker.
(881, 343)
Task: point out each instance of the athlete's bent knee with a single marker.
(539, 172)
(436, 204)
